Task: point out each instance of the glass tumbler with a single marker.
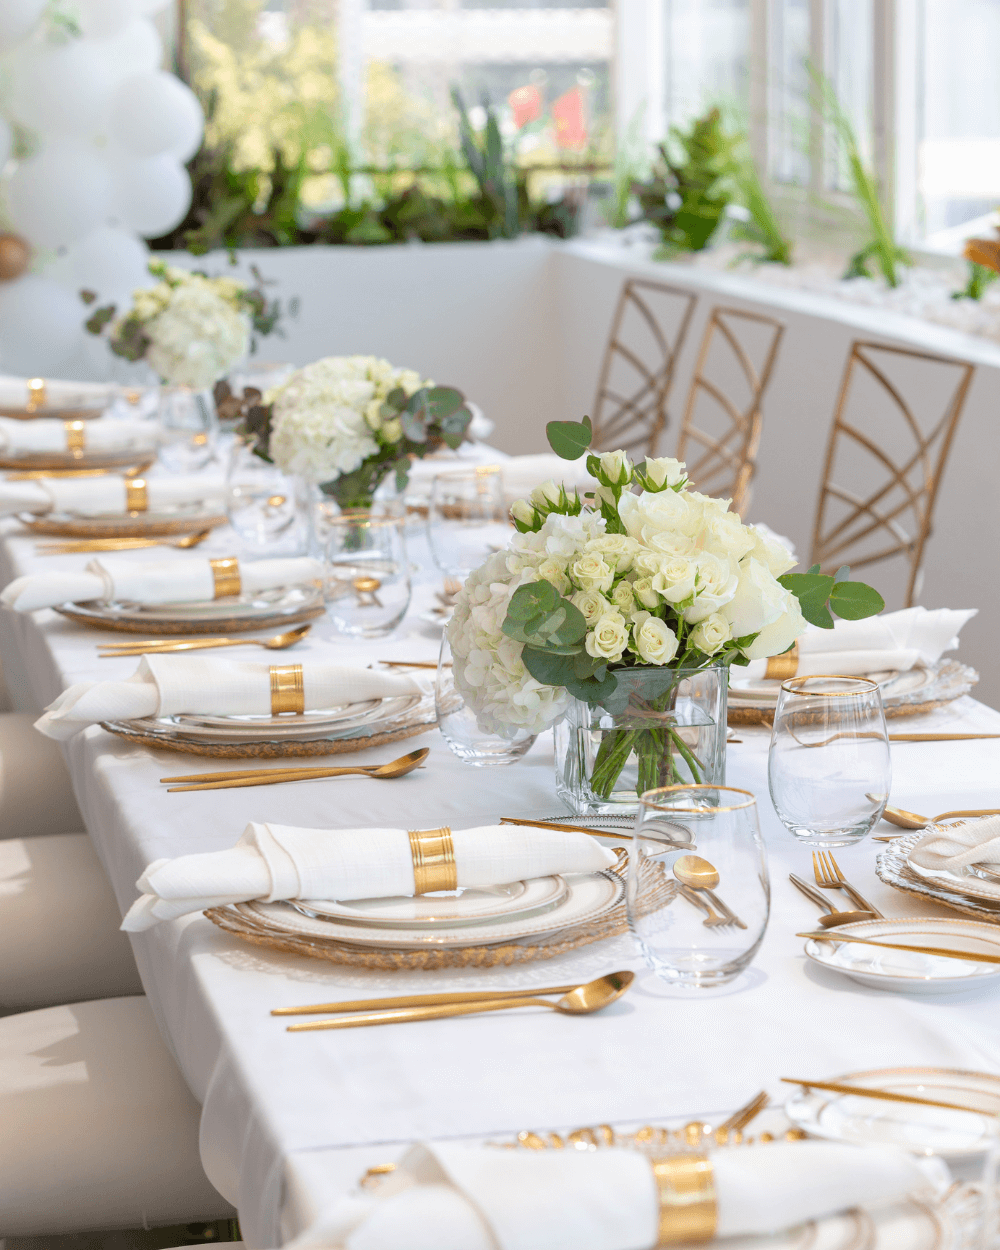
(367, 574)
(828, 768)
(467, 519)
(698, 891)
(266, 507)
(188, 429)
(457, 721)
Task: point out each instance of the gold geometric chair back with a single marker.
(720, 433)
(647, 334)
(893, 426)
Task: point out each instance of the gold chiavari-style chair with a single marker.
(647, 334)
(893, 426)
(735, 363)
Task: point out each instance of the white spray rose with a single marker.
(545, 494)
(592, 604)
(523, 511)
(710, 634)
(665, 470)
(673, 511)
(591, 573)
(642, 589)
(655, 641)
(616, 467)
(727, 535)
(675, 579)
(646, 563)
(617, 550)
(716, 584)
(608, 638)
(554, 571)
(758, 602)
(671, 544)
(623, 597)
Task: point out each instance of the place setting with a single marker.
(76, 446)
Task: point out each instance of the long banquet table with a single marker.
(289, 1122)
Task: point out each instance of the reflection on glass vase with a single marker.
(188, 428)
(266, 507)
(661, 727)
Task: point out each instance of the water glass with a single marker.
(266, 507)
(188, 429)
(457, 721)
(705, 934)
(828, 768)
(467, 518)
(367, 575)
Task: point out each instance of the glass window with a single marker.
(707, 56)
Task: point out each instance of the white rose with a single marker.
(716, 584)
(675, 579)
(545, 494)
(523, 511)
(616, 467)
(780, 634)
(672, 511)
(554, 571)
(758, 602)
(655, 641)
(771, 553)
(392, 431)
(727, 535)
(665, 470)
(646, 563)
(591, 604)
(668, 544)
(591, 573)
(623, 596)
(607, 640)
(644, 593)
(617, 550)
(710, 634)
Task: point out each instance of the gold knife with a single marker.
(832, 935)
(838, 1087)
(551, 824)
(418, 1000)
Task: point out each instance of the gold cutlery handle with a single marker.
(836, 935)
(859, 900)
(419, 1000)
(694, 896)
(112, 649)
(727, 911)
(812, 894)
(409, 1014)
(838, 1087)
(271, 779)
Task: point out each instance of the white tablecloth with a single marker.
(280, 1109)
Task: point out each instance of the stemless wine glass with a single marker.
(828, 767)
(467, 518)
(367, 582)
(266, 507)
(461, 731)
(188, 429)
(705, 929)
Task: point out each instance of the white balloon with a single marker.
(17, 19)
(40, 325)
(6, 142)
(100, 18)
(60, 195)
(136, 49)
(154, 113)
(150, 195)
(62, 90)
(108, 261)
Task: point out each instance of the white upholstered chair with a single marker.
(100, 1130)
(36, 795)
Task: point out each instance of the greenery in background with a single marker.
(880, 247)
(980, 277)
(762, 227)
(631, 167)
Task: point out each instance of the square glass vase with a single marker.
(661, 727)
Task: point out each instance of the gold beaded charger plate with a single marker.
(70, 462)
(160, 523)
(262, 609)
(920, 1129)
(242, 920)
(76, 412)
(893, 867)
(903, 694)
(301, 726)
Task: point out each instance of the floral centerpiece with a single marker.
(347, 422)
(188, 327)
(601, 611)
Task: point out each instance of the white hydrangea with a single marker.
(326, 418)
(196, 336)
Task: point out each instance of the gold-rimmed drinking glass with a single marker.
(367, 574)
(467, 518)
(698, 937)
(829, 768)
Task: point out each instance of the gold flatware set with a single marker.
(162, 646)
(69, 547)
(239, 778)
(885, 1095)
(698, 879)
(833, 917)
(828, 876)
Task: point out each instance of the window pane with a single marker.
(849, 65)
(789, 95)
(708, 56)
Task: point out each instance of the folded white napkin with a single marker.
(49, 434)
(450, 1196)
(165, 685)
(58, 394)
(149, 581)
(894, 641)
(89, 496)
(949, 848)
(274, 862)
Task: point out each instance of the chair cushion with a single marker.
(59, 926)
(36, 795)
(100, 1130)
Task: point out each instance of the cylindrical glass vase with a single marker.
(661, 727)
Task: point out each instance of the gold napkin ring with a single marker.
(287, 693)
(226, 574)
(781, 667)
(36, 393)
(686, 1189)
(136, 497)
(433, 860)
(76, 437)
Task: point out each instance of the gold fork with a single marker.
(828, 876)
(184, 543)
(161, 646)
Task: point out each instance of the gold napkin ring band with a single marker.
(433, 860)
(781, 667)
(76, 436)
(136, 497)
(226, 575)
(36, 393)
(686, 1188)
(287, 693)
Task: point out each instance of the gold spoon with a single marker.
(698, 874)
(913, 820)
(271, 776)
(581, 1001)
(833, 917)
(279, 642)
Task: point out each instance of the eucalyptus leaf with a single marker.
(854, 601)
(414, 426)
(532, 600)
(813, 592)
(569, 439)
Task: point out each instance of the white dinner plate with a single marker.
(891, 683)
(919, 1129)
(450, 909)
(588, 897)
(906, 970)
(278, 601)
